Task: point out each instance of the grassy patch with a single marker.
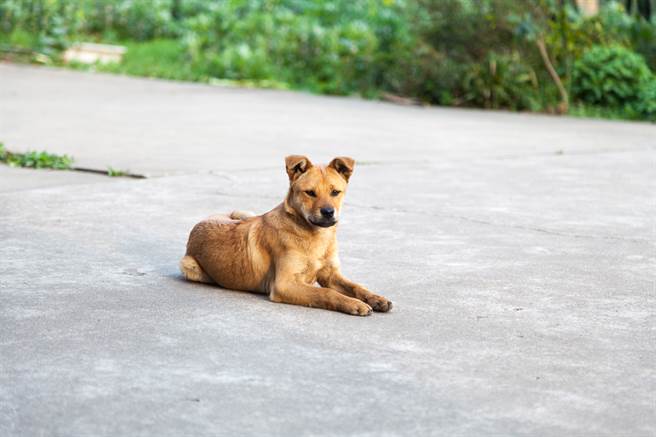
(590, 111)
(19, 38)
(35, 159)
(162, 58)
(20, 46)
(168, 59)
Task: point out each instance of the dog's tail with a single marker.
(192, 271)
(241, 215)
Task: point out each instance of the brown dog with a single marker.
(286, 251)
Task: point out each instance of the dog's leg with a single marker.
(338, 282)
(315, 297)
(192, 271)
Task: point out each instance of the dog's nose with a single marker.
(327, 212)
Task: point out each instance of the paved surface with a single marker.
(519, 252)
(159, 127)
(17, 179)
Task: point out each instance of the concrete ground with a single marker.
(519, 251)
(18, 179)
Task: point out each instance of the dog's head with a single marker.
(316, 192)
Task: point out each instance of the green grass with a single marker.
(35, 159)
(20, 46)
(161, 58)
(589, 111)
(167, 59)
(19, 38)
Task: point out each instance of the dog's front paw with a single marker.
(379, 303)
(358, 308)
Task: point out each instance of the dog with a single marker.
(285, 252)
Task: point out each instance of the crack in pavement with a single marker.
(558, 152)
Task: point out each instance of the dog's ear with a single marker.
(297, 165)
(344, 166)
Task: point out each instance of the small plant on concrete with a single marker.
(112, 172)
(34, 159)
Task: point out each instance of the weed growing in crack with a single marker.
(32, 159)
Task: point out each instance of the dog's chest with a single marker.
(316, 260)
(311, 270)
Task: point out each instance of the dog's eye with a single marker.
(311, 193)
(335, 193)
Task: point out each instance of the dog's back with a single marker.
(227, 250)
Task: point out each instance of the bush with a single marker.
(646, 106)
(58, 20)
(615, 26)
(429, 76)
(466, 31)
(330, 47)
(609, 76)
(502, 81)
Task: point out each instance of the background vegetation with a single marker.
(538, 55)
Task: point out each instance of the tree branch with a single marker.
(564, 103)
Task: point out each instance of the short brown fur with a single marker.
(286, 251)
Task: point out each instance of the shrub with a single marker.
(615, 26)
(609, 76)
(646, 105)
(502, 81)
(330, 47)
(57, 20)
(465, 30)
(430, 76)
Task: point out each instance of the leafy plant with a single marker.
(502, 81)
(646, 105)
(329, 47)
(35, 159)
(609, 76)
(614, 26)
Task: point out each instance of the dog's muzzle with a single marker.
(323, 222)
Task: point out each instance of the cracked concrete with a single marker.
(522, 276)
(17, 179)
